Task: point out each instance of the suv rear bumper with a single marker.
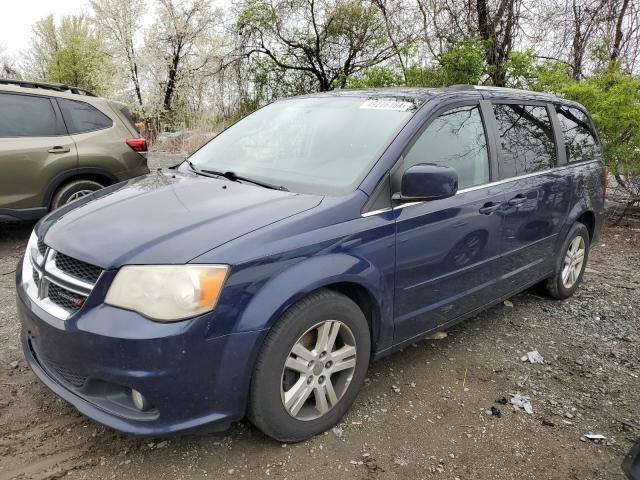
(190, 381)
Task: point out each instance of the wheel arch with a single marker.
(104, 177)
(582, 212)
(353, 277)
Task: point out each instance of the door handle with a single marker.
(59, 150)
(517, 200)
(489, 207)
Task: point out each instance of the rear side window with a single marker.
(455, 139)
(526, 137)
(81, 117)
(579, 139)
(26, 116)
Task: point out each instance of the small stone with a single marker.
(508, 303)
(162, 444)
(338, 432)
(14, 364)
(395, 388)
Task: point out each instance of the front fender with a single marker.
(296, 282)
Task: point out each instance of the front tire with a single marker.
(311, 367)
(570, 264)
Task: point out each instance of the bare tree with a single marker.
(119, 21)
(180, 43)
(326, 40)
(8, 67)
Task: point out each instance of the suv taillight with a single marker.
(138, 145)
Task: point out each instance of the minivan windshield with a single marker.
(320, 145)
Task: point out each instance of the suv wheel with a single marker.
(311, 367)
(73, 191)
(570, 264)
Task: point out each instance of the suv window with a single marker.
(455, 139)
(526, 138)
(81, 117)
(580, 142)
(26, 116)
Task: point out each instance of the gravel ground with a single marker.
(424, 413)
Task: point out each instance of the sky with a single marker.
(18, 16)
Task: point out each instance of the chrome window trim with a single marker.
(485, 185)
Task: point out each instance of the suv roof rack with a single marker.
(58, 87)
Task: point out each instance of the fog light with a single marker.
(139, 401)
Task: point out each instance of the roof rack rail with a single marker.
(461, 86)
(58, 87)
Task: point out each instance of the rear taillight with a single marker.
(138, 145)
(605, 179)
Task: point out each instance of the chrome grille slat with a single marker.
(56, 282)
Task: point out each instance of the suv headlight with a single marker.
(167, 292)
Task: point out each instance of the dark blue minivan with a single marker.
(261, 275)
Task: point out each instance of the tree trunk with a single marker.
(619, 35)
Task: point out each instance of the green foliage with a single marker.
(376, 77)
(612, 96)
(69, 53)
(520, 69)
(461, 63)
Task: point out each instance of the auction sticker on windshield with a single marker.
(387, 105)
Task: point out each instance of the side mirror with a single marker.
(427, 181)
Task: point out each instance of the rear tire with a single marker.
(294, 404)
(570, 264)
(73, 191)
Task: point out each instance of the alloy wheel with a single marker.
(573, 262)
(318, 370)
(79, 194)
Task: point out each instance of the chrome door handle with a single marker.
(517, 200)
(59, 150)
(489, 207)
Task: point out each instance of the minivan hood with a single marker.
(164, 217)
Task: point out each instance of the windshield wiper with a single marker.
(234, 178)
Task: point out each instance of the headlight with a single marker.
(167, 292)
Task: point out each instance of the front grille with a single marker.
(59, 284)
(77, 268)
(64, 298)
(42, 248)
(62, 373)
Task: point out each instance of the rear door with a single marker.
(447, 250)
(34, 149)
(538, 193)
(101, 141)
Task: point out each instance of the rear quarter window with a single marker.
(526, 139)
(26, 116)
(580, 141)
(81, 117)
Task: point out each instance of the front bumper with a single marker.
(95, 358)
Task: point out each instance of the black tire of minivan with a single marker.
(554, 285)
(66, 192)
(266, 408)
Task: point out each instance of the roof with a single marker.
(421, 95)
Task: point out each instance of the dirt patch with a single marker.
(425, 412)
